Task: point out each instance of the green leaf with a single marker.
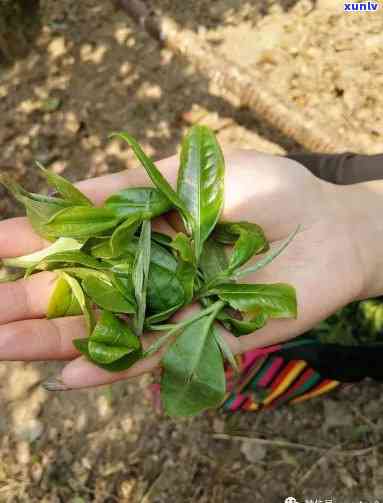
(181, 242)
(62, 301)
(157, 345)
(117, 366)
(163, 315)
(111, 339)
(26, 261)
(155, 175)
(70, 257)
(39, 208)
(267, 258)
(248, 240)
(213, 261)
(122, 235)
(276, 300)
(122, 267)
(225, 349)
(102, 249)
(81, 299)
(106, 295)
(81, 222)
(158, 254)
(124, 285)
(242, 326)
(200, 183)
(103, 353)
(186, 270)
(162, 257)
(141, 202)
(193, 378)
(164, 289)
(186, 273)
(64, 187)
(140, 274)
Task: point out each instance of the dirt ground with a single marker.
(92, 71)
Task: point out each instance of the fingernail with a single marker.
(54, 384)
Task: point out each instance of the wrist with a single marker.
(359, 208)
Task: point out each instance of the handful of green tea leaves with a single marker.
(108, 259)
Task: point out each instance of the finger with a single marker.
(17, 236)
(26, 298)
(80, 373)
(41, 339)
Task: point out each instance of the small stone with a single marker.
(36, 472)
(72, 124)
(23, 454)
(253, 452)
(126, 489)
(218, 425)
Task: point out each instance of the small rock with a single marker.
(36, 472)
(32, 430)
(23, 454)
(126, 488)
(253, 452)
(218, 425)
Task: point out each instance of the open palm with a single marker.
(274, 192)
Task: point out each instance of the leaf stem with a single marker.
(212, 310)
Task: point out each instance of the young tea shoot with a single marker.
(109, 259)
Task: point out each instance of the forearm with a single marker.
(360, 207)
(342, 169)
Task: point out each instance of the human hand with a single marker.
(324, 262)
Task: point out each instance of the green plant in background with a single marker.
(358, 323)
(109, 258)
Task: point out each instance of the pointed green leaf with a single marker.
(111, 339)
(276, 300)
(103, 353)
(61, 245)
(64, 187)
(248, 239)
(141, 202)
(140, 275)
(155, 175)
(181, 242)
(164, 289)
(62, 301)
(75, 257)
(193, 378)
(213, 261)
(117, 366)
(106, 295)
(200, 182)
(122, 235)
(81, 299)
(269, 257)
(225, 349)
(238, 326)
(81, 222)
(39, 208)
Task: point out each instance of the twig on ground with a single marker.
(294, 445)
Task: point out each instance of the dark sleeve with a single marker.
(342, 169)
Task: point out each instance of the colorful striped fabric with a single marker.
(267, 379)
